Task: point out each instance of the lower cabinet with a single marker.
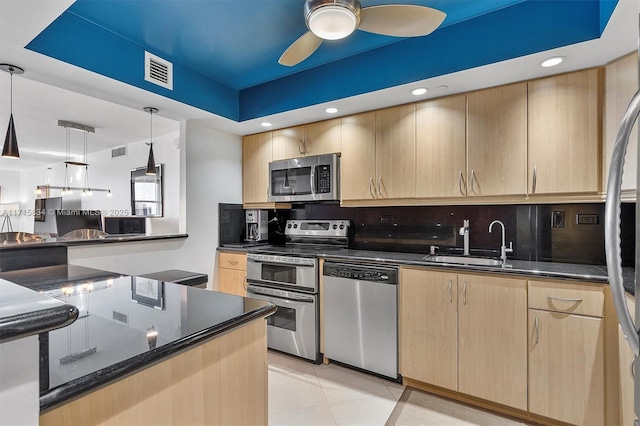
(566, 367)
(232, 273)
(466, 333)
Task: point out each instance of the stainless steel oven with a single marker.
(298, 273)
(288, 277)
(293, 328)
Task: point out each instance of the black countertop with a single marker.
(593, 273)
(61, 241)
(125, 324)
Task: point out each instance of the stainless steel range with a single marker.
(288, 277)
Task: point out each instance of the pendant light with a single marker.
(10, 149)
(151, 162)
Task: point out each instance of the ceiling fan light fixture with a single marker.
(332, 19)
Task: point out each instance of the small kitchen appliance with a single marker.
(256, 223)
(305, 179)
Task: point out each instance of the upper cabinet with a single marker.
(621, 83)
(441, 148)
(256, 155)
(497, 141)
(358, 161)
(564, 133)
(323, 137)
(396, 152)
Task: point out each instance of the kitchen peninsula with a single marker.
(147, 351)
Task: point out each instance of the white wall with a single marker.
(10, 194)
(19, 382)
(213, 175)
(112, 173)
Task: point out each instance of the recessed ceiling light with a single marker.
(265, 124)
(331, 110)
(552, 62)
(419, 91)
(442, 87)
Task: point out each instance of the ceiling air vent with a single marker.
(120, 317)
(119, 152)
(158, 71)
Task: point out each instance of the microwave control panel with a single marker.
(324, 179)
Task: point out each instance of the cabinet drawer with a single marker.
(233, 261)
(560, 296)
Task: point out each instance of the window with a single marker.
(146, 192)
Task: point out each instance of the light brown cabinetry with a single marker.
(323, 137)
(497, 141)
(256, 155)
(429, 332)
(396, 152)
(566, 352)
(627, 369)
(441, 148)
(492, 343)
(358, 161)
(564, 133)
(621, 83)
(487, 356)
(233, 273)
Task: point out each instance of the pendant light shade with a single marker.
(10, 149)
(151, 162)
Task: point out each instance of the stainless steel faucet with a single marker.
(503, 248)
(465, 232)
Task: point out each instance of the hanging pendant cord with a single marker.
(11, 90)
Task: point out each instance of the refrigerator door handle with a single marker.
(612, 222)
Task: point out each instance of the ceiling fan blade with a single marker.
(300, 50)
(400, 20)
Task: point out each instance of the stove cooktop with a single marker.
(295, 250)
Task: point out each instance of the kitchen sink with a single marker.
(463, 260)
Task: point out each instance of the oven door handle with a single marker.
(272, 262)
(252, 289)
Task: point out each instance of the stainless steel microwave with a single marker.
(313, 178)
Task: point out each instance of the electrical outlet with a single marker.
(557, 219)
(386, 218)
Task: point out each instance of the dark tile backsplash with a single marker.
(572, 233)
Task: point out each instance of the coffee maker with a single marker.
(256, 225)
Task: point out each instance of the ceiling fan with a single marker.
(336, 19)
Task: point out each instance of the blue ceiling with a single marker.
(225, 52)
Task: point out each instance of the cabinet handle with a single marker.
(244, 283)
(300, 145)
(464, 293)
(305, 145)
(632, 367)
(537, 329)
(450, 291)
(371, 184)
(471, 179)
(460, 178)
(233, 262)
(564, 299)
(379, 186)
(535, 179)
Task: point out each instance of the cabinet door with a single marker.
(566, 367)
(396, 152)
(358, 160)
(564, 133)
(256, 155)
(233, 281)
(626, 357)
(429, 327)
(288, 143)
(620, 85)
(441, 147)
(323, 137)
(492, 330)
(497, 141)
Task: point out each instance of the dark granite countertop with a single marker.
(25, 312)
(593, 273)
(125, 324)
(78, 242)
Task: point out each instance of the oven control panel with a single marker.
(317, 228)
(290, 260)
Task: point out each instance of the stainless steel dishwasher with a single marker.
(361, 316)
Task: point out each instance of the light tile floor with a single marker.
(301, 393)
